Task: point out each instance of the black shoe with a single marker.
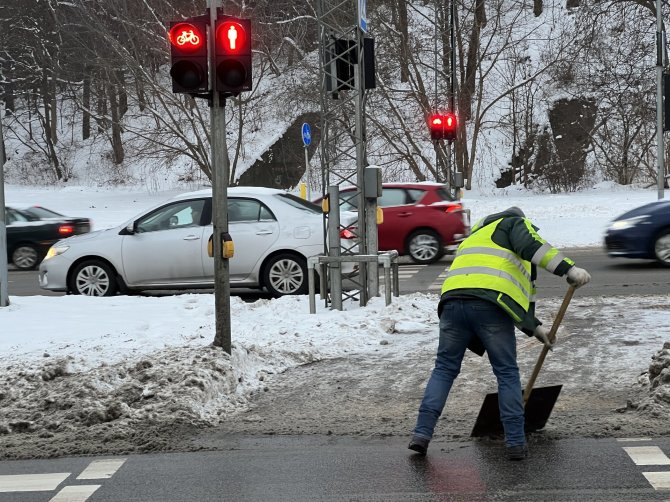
(419, 444)
(517, 452)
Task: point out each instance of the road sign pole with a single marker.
(4, 294)
(308, 171)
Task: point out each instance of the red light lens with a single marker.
(454, 207)
(347, 234)
(66, 230)
(186, 37)
(437, 121)
(231, 37)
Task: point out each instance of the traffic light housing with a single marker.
(443, 126)
(233, 55)
(188, 52)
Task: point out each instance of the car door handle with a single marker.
(405, 215)
(191, 238)
(264, 232)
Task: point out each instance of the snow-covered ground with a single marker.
(76, 366)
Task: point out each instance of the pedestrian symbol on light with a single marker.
(232, 37)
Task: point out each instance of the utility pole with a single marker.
(4, 294)
(660, 149)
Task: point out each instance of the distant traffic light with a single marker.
(450, 126)
(188, 51)
(233, 55)
(443, 126)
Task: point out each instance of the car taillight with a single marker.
(345, 233)
(454, 207)
(66, 230)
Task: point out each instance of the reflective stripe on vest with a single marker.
(481, 263)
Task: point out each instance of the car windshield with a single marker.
(42, 212)
(299, 203)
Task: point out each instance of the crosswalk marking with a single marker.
(647, 455)
(101, 469)
(75, 493)
(659, 480)
(623, 440)
(31, 482)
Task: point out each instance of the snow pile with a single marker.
(656, 382)
(171, 373)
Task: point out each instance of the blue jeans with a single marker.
(461, 320)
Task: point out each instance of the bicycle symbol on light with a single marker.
(187, 37)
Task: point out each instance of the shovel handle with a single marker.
(552, 337)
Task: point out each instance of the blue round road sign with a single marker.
(306, 134)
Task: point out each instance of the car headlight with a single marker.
(628, 223)
(55, 251)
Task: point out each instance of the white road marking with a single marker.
(31, 482)
(647, 455)
(102, 469)
(659, 480)
(75, 493)
(632, 439)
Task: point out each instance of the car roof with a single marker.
(207, 192)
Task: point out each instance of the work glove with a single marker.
(577, 277)
(542, 334)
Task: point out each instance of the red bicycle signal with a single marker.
(187, 37)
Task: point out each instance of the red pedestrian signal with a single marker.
(233, 55)
(188, 51)
(443, 126)
(450, 126)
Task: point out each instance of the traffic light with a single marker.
(188, 51)
(233, 55)
(450, 126)
(443, 126)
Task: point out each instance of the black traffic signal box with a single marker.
(233, 55)
(188, 53)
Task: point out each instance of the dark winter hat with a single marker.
(515, 210)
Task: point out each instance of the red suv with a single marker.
(421, 220)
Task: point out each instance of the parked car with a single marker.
(422, 220)
(29, 236)
(643, 232)
(166, 247)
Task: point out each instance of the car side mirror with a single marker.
(130, 229)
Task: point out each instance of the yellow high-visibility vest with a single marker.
(481, 263)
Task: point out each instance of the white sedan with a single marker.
(273, 232)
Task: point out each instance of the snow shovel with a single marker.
(538, 402)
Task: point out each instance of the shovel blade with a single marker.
(538, 408)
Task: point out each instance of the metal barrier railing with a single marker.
(388, 259)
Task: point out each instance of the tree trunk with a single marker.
(537, 7)
(86, 102)
(117, 145)
(404, 42)
(123, 93)
(54, 112)
(468, 89)
(48, 125)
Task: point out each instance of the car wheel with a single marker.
(94, 278)
(286, 274)
(424, 247)
(25, 257)
(662, 248)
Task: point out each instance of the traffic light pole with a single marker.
(220, 174)
(4, 293)
(660, 149)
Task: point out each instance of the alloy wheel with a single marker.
(25, 257)
(286, 276)
(662, 248)
(424, 248)
(92, 280)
